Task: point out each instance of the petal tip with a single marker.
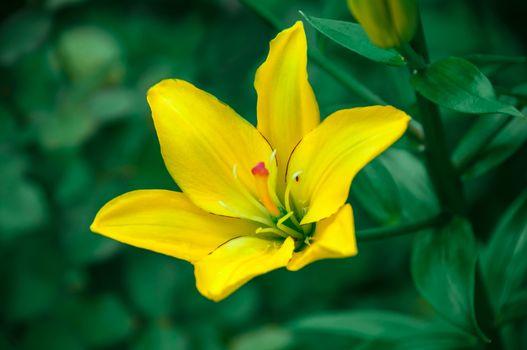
(93, 228)
(298, 25)
(159, 86)
(402, 114)
(209, 293)
(167, 84)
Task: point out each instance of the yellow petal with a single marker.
(287, 108)
(202, 140)
(237, 261)
(166, 222)
(334, 237)
(331, 155)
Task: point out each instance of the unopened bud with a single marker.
(388, 23)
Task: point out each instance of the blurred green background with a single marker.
(75, 131)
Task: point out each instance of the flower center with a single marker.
(285, 222)
(276, 218)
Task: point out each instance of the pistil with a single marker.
(261, 176)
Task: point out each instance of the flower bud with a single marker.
(388, 23)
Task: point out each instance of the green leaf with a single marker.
(69, 127)
(21, 33)
(38, 84)
(269, 338)
(80, 245)
(158, 297)
(87, 52)
(8, 128)
(484, 59)
(459, 85)
(418, 199)
(4, 343)
(364, 324)
(19, 195)
(101, 321)
(114, 103)
(514, 308)
(240, 308)
(433, 341)
(378, 192)
(76, 180)
(33, 282)
(160, 337)
(443, 269)
(395, 187)
(352, 36)
(488, 143)
(59, 4)
(50, 336)
(504, 263)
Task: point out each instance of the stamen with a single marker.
(271, 230)
(261, 176)
(288, 230)
(307, 228)
(273, 173)
(294, 178)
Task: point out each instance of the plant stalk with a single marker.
(395, 231)
(444, 177)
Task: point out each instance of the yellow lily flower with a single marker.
(254, 199)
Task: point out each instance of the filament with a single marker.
(243, 216)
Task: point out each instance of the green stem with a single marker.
(445, 178)
(446, 182)
(395, 231)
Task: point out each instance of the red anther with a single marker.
(260, 169)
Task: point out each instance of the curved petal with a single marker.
(331, 155)
(202, 140)
(166, 222)
(334, 238)
(287, 108)
(237, 261)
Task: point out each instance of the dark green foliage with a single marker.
(457, 84)
(353, 37)
(443, 268)
(504, 260)
(75, 131)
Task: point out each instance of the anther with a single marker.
(261, 176)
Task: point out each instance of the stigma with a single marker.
(261, 176)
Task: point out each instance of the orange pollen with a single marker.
(261, 176)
